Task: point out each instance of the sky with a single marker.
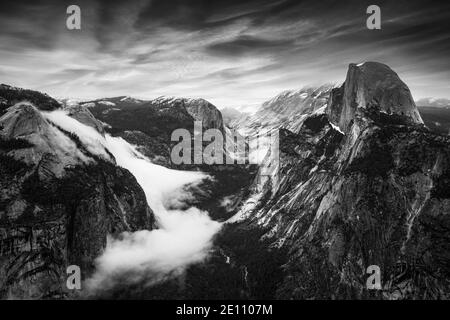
(234, 53)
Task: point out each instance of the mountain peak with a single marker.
(371, 85)
(21, 120)
(202, 110)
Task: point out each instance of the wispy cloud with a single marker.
(234, 53)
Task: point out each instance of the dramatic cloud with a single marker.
(91, 139)
(233, 53)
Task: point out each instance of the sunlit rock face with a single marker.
(287, 110)
(374, 86)
(23, 120)
(24, 124)
(360, 185)
(202, 110)
(83, 115)
(58, 201)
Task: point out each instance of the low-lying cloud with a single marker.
(183, 236)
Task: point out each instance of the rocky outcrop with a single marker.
(58, 203)
(208, 114)
(373, 193)
(371, 85)
(25, 123)
(83, 115)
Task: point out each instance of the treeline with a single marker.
(15, 95)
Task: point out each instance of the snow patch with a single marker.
(107, 103)
(88, 104)
(335, 127)
(130, 99)
(321, 110)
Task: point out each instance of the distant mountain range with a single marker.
(435, 113)
(432, 102)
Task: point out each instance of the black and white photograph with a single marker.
(253, 151)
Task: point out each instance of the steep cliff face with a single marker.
(202, 110)
(58, 203)
(371, 85)
(373, 193)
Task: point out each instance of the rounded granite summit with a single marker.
(376, 86)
